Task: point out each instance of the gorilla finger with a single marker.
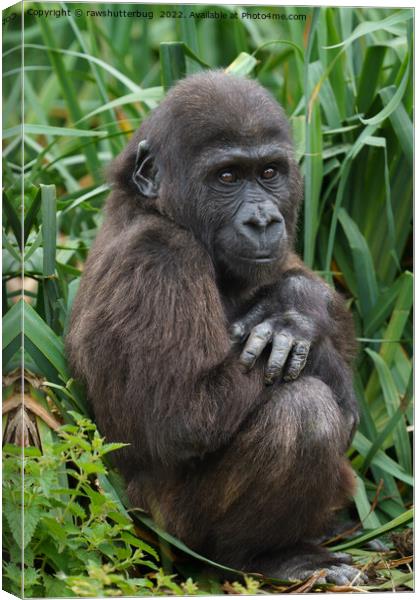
(357, 576)
(282, 343)
(377, 545)
(343, 557)
(336, 578)
(257, 341)
(298, 358)
(240, 328)
(345, 575)
(237, 332)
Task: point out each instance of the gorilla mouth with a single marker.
(252, 257)
(259, 258)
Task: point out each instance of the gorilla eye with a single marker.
(228, 177)
(269, 173)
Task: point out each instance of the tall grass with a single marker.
(343, 75)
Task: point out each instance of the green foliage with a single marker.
(73, 540)
(344, 76)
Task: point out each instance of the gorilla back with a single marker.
(206, 344)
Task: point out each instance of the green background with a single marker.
(344, 77)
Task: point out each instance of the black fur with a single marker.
(241, 471)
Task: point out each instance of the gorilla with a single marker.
(207, 345)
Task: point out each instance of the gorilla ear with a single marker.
(145, 174)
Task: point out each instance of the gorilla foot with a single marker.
(333, 568)
(345, 575)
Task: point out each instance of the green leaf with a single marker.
(298, 50)
(55, 528)
(173, 64)
(401, 122)
(12, 324)
(44, 339)
(367, 517)
(154, 94)
(49, 130)
(12, 219)
(401, 520)
(298, 129)
(313, 150)
(22, 523)
(92, 59)
(370, 27)
(394, 102)
(392, 403)
(101, 189)
(381, 311)
(31, 215)
(398, 321)
(49, 228)
(379, 440)
(369, 77)
(381, 460)
(138, 543)
(243, 65)
(362, 261)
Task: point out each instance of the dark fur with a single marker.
(238, 470)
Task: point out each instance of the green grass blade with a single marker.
(313, 151)
(362, 261)
(12, 219)
(398, 320)
(149, 95)
(381, 311)
(45, 340)
(401, 123)
(31, 216)
(49, 130)
(68, 90)
(381, 460)
(49, 228)
(406, 517)
(370, 27)
(369, 77)
(385, 433)
(12, 324)
(393, 404)
(87, 196)
(367, 517)
(337, 61)
(242, 65)
(97, 61)
(297, 49)
(173, 63)
(49, 235)
(394, 102)
(342, 178)
(12, 250)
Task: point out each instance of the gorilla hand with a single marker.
(290, 342)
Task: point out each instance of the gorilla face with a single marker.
(247, 187)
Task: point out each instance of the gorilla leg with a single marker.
(274, 487)
(283, 476)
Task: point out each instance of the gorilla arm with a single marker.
(154, 318)
(310, 330)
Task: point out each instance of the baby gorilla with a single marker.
(208, 346)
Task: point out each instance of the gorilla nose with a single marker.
(264, 227)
